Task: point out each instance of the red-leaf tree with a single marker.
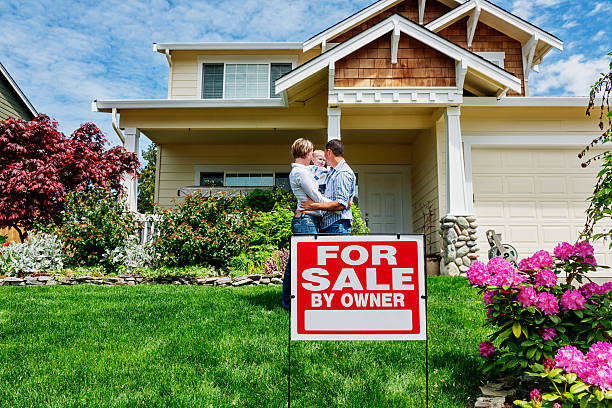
(39, 165)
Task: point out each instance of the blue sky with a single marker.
(64, 54)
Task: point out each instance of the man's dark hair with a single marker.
(336, 146)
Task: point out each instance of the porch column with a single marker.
(129, 183)
(333, 123)
(456, 190)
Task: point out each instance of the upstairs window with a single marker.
(241, 81)
(496, 58)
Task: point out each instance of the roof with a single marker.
(382, 5)
(17, 90)
(412, 29)
(200, 46)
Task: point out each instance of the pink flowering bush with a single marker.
(575, 379)
(534, 313)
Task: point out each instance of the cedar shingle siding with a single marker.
(417, 65)
(407, 8)
(10, 103)
(488, 39)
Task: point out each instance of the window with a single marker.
(211, 179)
(282, 180)
(212, 81)
(224, 80)
(496, 58)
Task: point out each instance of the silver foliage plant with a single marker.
(132, 256)
(41, 253)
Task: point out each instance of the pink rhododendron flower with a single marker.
(486, 348)
(488, 297)
(548, 303)
(584, 249)
(503, 273)
(546, 278)
(564, 251)
(536, 398)
(606, 288)
(527, 296)
(525, 265)
(590, 289)
(569, 358)
(600, 353)
(478, 274)
(572, 300)
(542, 259)
(549, 365)
(548, 333)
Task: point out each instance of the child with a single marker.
(318, 169)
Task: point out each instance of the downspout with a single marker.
(170, 73)
(117, 130)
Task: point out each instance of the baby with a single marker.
(318, 169)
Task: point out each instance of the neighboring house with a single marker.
(431, 99)
(13, 102)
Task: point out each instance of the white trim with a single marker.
(528, 52)
(487, 7)
(333, 123)
(355, 20)
(17, 90)
(421, 11)
(492, 71)
(494, 57)
(457, 197)
(548, 141)
(532, 101)
(395, 38)
(472, 23)
(242, 59)
(399, 95)
(107, 106)
(238, 168)
(461, 69)
(214, 46)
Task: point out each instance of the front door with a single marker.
(383, 196)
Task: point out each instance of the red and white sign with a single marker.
(358, 287)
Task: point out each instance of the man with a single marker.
(340, 188)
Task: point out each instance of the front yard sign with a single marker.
(358, 287)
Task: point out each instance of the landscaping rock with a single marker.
(474, 249)
(466, 261)
(472, 231)
(449, 218)
(463, 251)
(457, 230)
(473, 257)
(276, 281)
(451, 236)
(242, 282)
(465, 233)
(473, 237)
(463, 268)
(210, 281)
(470, 219)
(452, 269)
(497, 390)
(463, 238)
(450, 253)
(51, 282)
(459, 261)
(201, 281)
(223, 281)
(471, 244)
(462, 223)
(45, 278)
(265, 281)
(81, 278)
(277, 275)
(473, 225)
(240, 278)
(255, 277)
(490, 402)
(11, 281)
(459, 244)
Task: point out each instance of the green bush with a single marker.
(260, 200)
(92, 223)
(204, 231)
(253, 260)
(272, 228)
(359, 226)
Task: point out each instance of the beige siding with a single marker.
(178, 162)
(10, 103)
(425, 184)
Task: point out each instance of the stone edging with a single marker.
(132, 279)
(459, 241)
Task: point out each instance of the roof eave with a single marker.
(18, 91)
(221, 46)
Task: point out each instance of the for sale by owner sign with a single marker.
(358, 287)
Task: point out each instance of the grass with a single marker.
(194, 346)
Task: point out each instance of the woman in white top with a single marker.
(304, 187)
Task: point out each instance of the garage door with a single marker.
(534, 197)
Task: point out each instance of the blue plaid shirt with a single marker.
(341, 188)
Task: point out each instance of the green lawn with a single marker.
(194, 346)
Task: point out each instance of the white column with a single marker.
(130, 183)
(333, 123)
(457, 200)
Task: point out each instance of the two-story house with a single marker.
(430, 97)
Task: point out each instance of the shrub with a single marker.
(277, 262)
(260, 200)
(534, 314)
(272, 228)
(359, 226)
(40, 253)
(253, 260)
(204, 231)
(92, 223)
(131, 256)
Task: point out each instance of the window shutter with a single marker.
(212, 81)
(276, 71)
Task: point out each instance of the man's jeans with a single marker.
(306, 224)
(340, 227)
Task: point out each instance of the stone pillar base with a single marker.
(459, 243)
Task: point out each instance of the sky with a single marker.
(64, 54)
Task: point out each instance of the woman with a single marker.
(304, 187)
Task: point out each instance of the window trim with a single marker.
(493, 57)
(241, 59)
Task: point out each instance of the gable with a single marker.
(418, 65)
(408, 9)
(488, 39)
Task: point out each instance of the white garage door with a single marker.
(534, 197)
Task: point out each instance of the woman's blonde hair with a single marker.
(301, 147)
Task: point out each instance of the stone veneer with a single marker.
(459, 243)
(133, 279)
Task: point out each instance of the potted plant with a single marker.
(430, 222)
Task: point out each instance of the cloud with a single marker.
(573, 76)
(527, 8)
(601, 7)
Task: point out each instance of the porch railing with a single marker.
(147, 226)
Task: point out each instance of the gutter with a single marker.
(117, 130)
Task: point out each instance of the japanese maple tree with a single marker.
(39, 166)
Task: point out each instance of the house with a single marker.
(430, 97)
(13, 102)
